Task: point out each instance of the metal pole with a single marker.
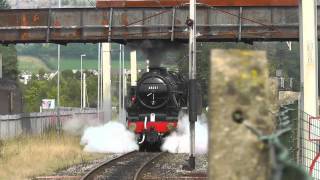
(309, 79)
(124, 93)
(124, 86)
(120, 83)
(192, 81)
(0, 66)
(84, 91)
(58, 92)
(99, 73)
(58, 85)
(81, 81)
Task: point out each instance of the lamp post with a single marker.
(81, 81)
(58, 85)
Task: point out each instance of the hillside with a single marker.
(33, 57)
(32, 64)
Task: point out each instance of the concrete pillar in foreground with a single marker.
(309, 75)
(133, 65)
(106, 81)
(239, 81)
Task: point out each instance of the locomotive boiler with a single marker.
(154, 104)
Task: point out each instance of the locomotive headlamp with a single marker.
(133, 99)
(132, 127)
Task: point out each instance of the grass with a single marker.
(27, 157)
(32, 64)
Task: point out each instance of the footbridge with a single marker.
(121, 24)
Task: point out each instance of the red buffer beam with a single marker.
(171, 3)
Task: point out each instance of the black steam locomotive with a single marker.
(154, 104)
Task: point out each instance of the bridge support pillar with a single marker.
(106, 81)
(308, 73)
(133, 65)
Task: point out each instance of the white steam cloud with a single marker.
(113, 137)
(179, 141)
(77, 124)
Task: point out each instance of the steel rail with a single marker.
(140, 171)
(91, 174)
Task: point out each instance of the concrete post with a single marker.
(133, 65)
(239, 82)
(309, 71)
(106, 80)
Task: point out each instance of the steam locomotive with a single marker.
(154, 104)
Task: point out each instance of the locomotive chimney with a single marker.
(133, 65)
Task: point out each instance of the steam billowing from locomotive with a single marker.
(179, 141)
(113, 137)
(157, 52)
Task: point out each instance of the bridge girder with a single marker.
(131, 24)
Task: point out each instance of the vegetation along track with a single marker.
(129, 166)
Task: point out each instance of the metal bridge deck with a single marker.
(166, 23)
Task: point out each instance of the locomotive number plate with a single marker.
(152, 117)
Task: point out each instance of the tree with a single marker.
(4, 4)
(9, 54)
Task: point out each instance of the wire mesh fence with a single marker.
(303, 139)
(308, 144)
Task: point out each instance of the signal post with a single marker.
(192, 105)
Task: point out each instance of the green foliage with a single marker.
(278, 54)
(39, 88)
(4, 4)
(9, 62)
(9, 54)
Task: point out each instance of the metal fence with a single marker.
(37, 123)
(308, 142)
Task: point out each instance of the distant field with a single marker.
(32, 64)
(87, 63)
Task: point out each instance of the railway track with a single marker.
(130, 166)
